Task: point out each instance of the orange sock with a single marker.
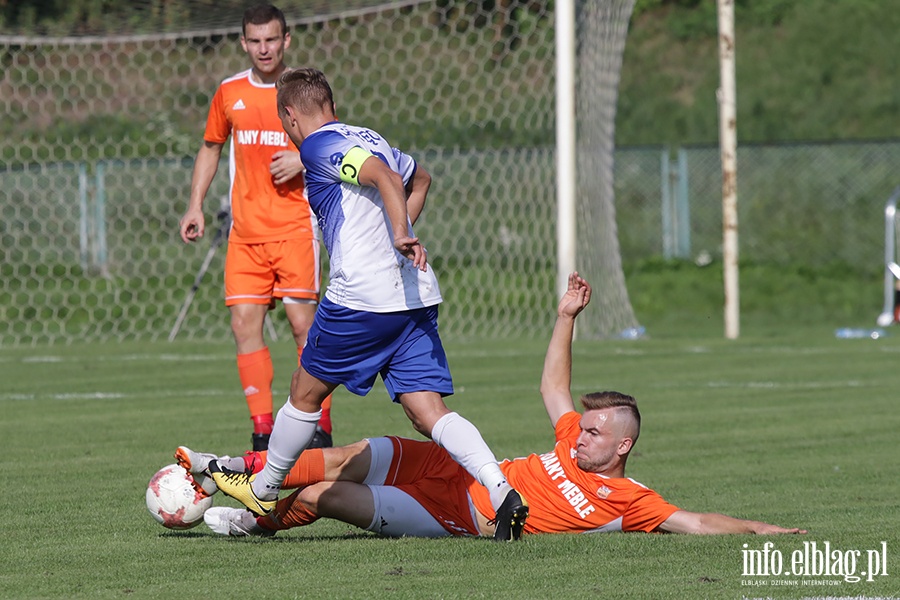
(288, 513)
(309, 468)
(256, 373)
(325, 420)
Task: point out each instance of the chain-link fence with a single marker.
(99, 132)
(812, 204)
(91, 245)
(98, 136)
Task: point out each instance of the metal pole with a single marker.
(668, 235)
(683, 207)
(220, 237)
(100, 216)
(83, 219)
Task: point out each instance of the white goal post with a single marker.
(566, 170)
(727, 97)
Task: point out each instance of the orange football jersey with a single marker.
(564, 498)
(262, 212)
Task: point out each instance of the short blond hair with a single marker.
(305, 89)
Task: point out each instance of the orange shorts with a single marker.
(429, 474)
(259, 273)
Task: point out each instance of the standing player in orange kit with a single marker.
(273, 246)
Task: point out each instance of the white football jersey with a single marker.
(367, 272)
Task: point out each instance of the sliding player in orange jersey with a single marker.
(396, 487)
(273, 247)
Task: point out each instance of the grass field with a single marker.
(796, 430)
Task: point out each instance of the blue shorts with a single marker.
(351, 347)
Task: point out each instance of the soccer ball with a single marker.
(173, 501)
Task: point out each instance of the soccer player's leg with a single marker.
(323, 437)
(293, 431)
(297, 420)
(395, 513)
(428, 474)
(256, 374)
(197, 465)
(422, 470)
(239, 522)
(300, 313)
(341, 463)
(296, 263)
(249, 282)
(422, 365)
(346, 347)
(348, 463)
(385, 510)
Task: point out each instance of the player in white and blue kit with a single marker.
(367, 272)
(379, 314)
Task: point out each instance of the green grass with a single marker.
(798, 430)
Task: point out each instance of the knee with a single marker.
(299, 331)
(301, 319)
(310, 497)
(423, 422)
(243, 327)
(423, 427)
(424, 411)
(350, 459)
(304, 320)
(306, 393)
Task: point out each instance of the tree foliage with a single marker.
(109, 17)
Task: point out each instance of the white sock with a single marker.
(463, 441)
(292, 433)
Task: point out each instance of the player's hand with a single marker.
(767, 529)
(413, 250)
(285, 166)
(576, 297)
(192, 225)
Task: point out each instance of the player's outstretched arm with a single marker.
(374, 172)
(683, 521)
(556, 379)
(192, 224)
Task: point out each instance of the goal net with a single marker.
(104, 113)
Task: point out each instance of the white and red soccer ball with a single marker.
(173, 500)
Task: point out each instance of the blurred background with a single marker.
(104, 104)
